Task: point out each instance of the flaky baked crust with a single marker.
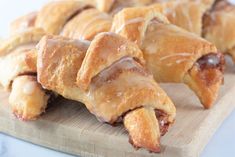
(186, 14)
(219, 27)
(102, 56)
(117, 88)
(24, 22)
(87, 24)
(13, 65)
(132, 22)
(27, 99)
(18, 74)
(53, 16)
(210, 19)
(170, 52)
(28, 36)
(102, 5)
(13, 55)
(58, 65)
(113, 6)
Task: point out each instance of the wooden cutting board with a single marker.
(68, 127)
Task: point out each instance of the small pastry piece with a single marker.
(87, 24)
(118, 87)
(53, 16)
(173, 54)
(27, 99)
(23, 22)
(137, 123)
(18, 74)
(219, 27)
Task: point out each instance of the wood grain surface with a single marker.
(67, 126)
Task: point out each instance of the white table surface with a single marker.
(221, 145)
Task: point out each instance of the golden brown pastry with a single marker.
(173, 54)
(207, 3)
(118, 88)
(18, 74)
(114, 6)
(53, 16)
(25, 39)
(219, 27)
(185, 13)
(87, 24)
(69, 18)
(13, 65)
(23, 22)
(27, 99)
(213, 21)
(13, 55)
(102, 5)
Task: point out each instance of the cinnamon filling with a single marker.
(162, 118)
(211, 61)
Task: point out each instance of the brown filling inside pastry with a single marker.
(205, 76)
(162, 118)
(211, 61)
(163, 124)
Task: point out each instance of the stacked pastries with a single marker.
(113, 73)
(108, 74)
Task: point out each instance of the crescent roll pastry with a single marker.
(173, 54)
(28, 100)
(118, 88)
(18, 74)
(219, 27)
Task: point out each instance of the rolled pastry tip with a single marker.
(28, 100)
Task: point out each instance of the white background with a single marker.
(221, 145)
